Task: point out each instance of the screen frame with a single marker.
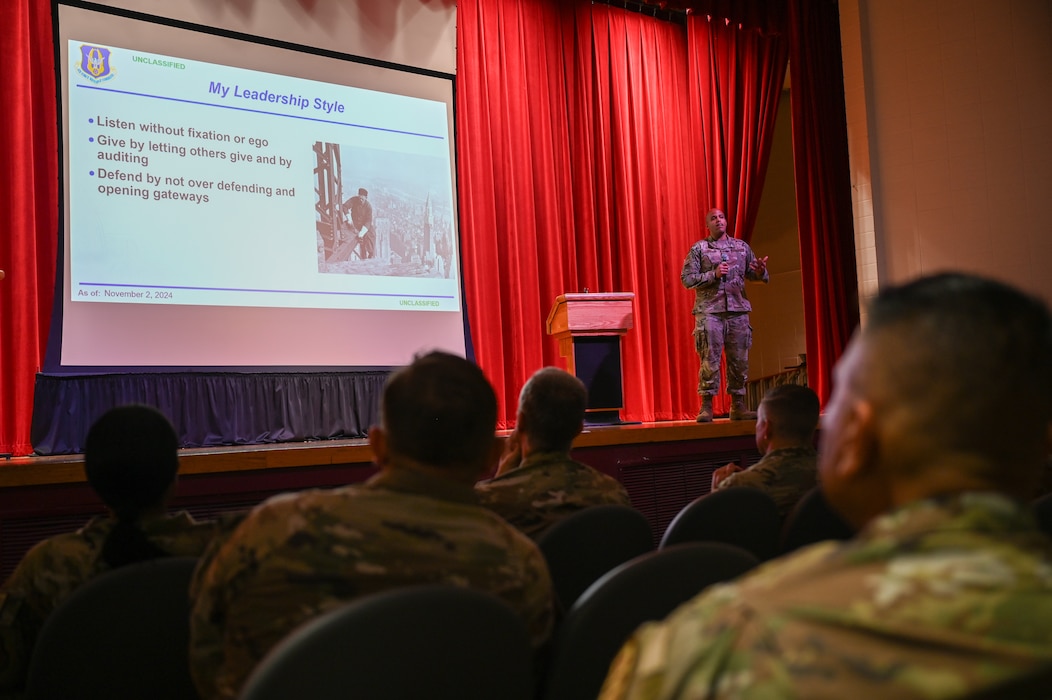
(52, 363)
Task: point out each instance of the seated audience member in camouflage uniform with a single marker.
(538, 483)
(130, 460)
(417, 521)
(931, 443)
(785, 435)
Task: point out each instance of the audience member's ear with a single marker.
(763, 435)
(858, 441)
(378, 443)
(850, 465)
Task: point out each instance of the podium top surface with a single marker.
(570, 297)
(591, 313)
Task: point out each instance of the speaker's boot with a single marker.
(738, 410)
(705, 414)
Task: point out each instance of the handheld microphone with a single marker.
(723, 259)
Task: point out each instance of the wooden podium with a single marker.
(589, 329)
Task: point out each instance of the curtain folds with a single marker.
(515, 181)
(644, 184)
(823, 187)
(615, 101)
(29, 200)
(736, 78)
(208, 408)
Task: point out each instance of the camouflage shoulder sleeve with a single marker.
(692, 275)
(206, 640)
(221, 577)
(209, 588)
(708, 646)
(223, 527)
(45, 577)
(51, 570)
(682, 656)
(507, 498)
(750, 478)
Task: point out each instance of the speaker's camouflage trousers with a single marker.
(715, 334)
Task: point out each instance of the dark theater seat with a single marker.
(439, 642)
(648, 587)
(584, 546)
(811, 521)
(740, 516)
(121, 636)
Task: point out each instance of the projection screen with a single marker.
(247, 203)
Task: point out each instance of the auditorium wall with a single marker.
(951, 149)
(778, 307)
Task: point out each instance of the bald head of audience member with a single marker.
(787, 417)
(947, 389)
(438, 415)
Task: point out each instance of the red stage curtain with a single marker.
(29, 200)
(515, 183)
(823, 187)
(633, 143)
(736, 79)
(577, 170)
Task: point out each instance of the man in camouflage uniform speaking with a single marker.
(538, 483)
(716, 269)
(417, 521)
(947, 588)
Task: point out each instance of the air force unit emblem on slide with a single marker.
(94, 63)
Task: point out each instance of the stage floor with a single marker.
(69, 469)
(662, 465)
